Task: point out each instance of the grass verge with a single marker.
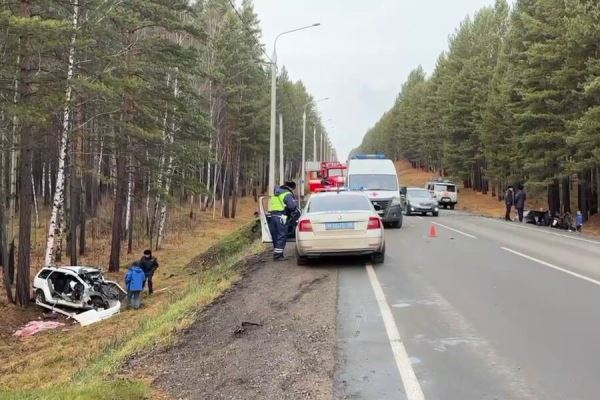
(211, 274)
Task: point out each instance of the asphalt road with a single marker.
(486, 310)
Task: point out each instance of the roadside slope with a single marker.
(57, 359)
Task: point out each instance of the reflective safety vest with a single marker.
(278, 202)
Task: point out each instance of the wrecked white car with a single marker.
(82, 289)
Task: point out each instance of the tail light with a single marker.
(374, 223)
(305, 226)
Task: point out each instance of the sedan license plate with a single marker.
(334, 226)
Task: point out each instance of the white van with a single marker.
(444, 191)
(376, 175)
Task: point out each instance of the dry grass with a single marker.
(54, 358)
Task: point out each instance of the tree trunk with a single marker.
(130, 233)
(566, 194)
(129, 197)
(73, 219)
(119, 206)
(26, 136)
(4, 234)
(54, 230)
(169, 142)
(236, 183)
(554, 197)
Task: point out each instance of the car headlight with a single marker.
(396, 201)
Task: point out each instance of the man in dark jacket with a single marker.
(520, 199)
(509, 200)
(283, 208)
(149, 265)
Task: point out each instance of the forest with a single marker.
(123, 110)
(514, 99)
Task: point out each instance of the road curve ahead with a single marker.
(486, 310)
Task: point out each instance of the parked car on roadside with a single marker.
(340, 223)
(445, 192)
(420, 201)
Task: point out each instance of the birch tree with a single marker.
(55, 226)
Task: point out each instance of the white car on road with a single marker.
(339, 223)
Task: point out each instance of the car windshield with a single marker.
(338, 203)
(445, 188)
(373, 182)
(421, 194)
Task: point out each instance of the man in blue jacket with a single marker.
(283, 207)
(134, 282)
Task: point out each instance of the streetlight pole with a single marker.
(303, 168)
(273, 106)
(281, 164)
(315, 143)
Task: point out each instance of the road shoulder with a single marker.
(270, 337)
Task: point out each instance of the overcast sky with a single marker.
(361, 54)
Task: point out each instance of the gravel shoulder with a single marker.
(272, 336)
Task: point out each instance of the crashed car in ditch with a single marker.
(78, 292)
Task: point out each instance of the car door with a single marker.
(264, 217)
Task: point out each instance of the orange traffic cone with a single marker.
(433, 231)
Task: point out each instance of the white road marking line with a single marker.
(547, 264)
(407, 374)
(548, 231)
(419, 217)
(455, 230)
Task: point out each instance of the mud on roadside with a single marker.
(272, 336)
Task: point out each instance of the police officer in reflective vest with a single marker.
(283, 206)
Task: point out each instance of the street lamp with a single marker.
(303, 169)
(273, 106)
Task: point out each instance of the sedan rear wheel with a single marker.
(301, 260)
(379, 257)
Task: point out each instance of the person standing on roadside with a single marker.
(509, 200)
(149, 265)
(134, 282)
(520, 199)
(283, 206)
(578, 221)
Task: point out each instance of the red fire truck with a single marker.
(331, 176)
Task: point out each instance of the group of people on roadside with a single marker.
(516, 199)
(140, 274)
